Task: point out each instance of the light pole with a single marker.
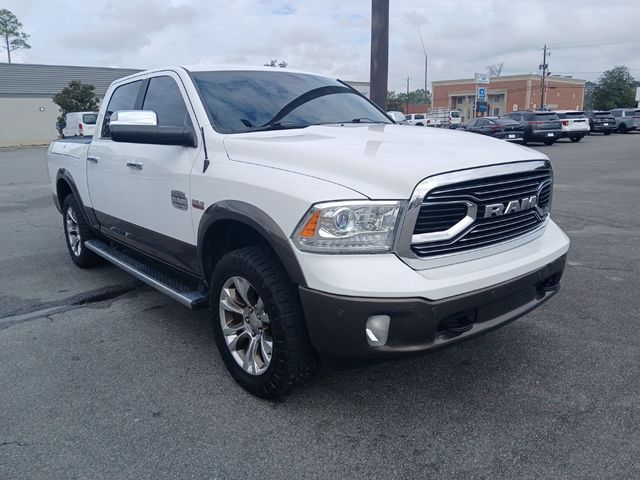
(425, 70)
(406, 109)
(379, 73)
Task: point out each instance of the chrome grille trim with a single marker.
(474, 247)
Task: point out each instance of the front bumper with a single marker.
(337, 324)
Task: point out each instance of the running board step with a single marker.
(167, 284)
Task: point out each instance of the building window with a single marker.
(496, 112)
(459, 100)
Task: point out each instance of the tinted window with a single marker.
(241, 101)
(89, 118)
(163, 97)
(545, 117)
(123, 98)
(455, 114)
(505, 121)
(418, 117)
(573, 115)
(603, 114)
(617, 113)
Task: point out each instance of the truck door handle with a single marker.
(135, 165)
(92, 159)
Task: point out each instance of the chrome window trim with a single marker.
(405, 236)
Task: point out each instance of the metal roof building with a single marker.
(27, 113)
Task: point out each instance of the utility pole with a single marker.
(379, 73)
(406, 110)
(544, 67)
(425, 70)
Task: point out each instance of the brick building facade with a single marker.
(509, 93)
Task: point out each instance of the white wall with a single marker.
(27, 121)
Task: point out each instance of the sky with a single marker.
(332, 37)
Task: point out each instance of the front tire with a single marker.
(76, 233)
(622, 128)
(549, 142)
(258, 323)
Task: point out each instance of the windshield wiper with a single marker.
(275, 126)
(354, 120)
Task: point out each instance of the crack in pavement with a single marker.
(77, 301)
(19, 444)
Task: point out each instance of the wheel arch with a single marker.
(65, 185)
(232, 224)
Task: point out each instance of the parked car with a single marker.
(444, 117)
(503, 128)
(575, 124)
(398, 117)
(627, 119)
(542, 127)
(601, 121)
(417, 119)
(79, 124)
(306, 235)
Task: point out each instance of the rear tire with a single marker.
(623, 128)
(252, 296)
(76, 233)
(549, 142)
(575, 139)
(608, 132)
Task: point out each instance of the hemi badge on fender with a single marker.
(197, 204)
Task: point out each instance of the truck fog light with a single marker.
(377, 330)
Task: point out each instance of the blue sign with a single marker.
(483, 107)
(482, 93)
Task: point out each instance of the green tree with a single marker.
(589, 88)
(275, 63)
(76, 97)
(615, 88)
(397, 101)
(10, 35)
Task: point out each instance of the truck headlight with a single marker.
(348, 227)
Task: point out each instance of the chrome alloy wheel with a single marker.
(245, 325)
(73, 232)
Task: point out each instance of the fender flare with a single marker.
(89, 215)
(261, 222)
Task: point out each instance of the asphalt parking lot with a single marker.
(102, 377)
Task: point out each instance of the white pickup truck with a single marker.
(309, 223)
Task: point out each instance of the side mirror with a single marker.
(141, 126)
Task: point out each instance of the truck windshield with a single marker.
(245, 101)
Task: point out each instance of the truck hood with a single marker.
(378, 161)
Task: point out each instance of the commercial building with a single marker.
(27, 113)
(510, 93)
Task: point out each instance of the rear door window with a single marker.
(124, 98)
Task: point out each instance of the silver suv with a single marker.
(627, 119)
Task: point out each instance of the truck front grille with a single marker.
(445, 206)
